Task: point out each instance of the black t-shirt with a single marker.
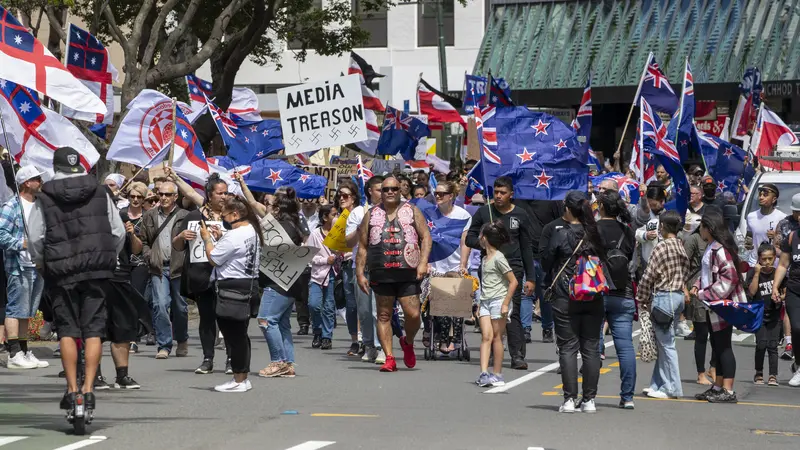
(772, 310)
(793, 249)
(547, 235)
(611, 231)
(196, 276)
(541, 212)
(519, 251)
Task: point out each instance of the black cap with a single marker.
(696, 170)
(67, 160)
(771, 187)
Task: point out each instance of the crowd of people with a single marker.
(119, 260)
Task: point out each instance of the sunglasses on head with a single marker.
(390, 189)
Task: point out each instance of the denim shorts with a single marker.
(491, 307)
(24, 294)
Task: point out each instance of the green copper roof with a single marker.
(554, 44)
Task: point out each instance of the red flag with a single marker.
(439, 107)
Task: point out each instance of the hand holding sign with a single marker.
(194, 235)
(281, 260)
(204, 233)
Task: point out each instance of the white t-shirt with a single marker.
(453, 262)
(24, 256)
(236, 254)
(759, 224)
(353, 221)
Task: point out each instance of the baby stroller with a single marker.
(453, 310)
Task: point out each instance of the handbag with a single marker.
(234, 302)
(647, 339)
(547, 297)
(589, 280)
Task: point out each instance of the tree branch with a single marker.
(55, 23)
(138, 24)
(179, 30)
(152, 43)
(39, 21)
(118, 34)
(164, 71)
(97, 13)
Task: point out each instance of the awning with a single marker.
(538, 44)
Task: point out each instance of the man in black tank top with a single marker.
(396, 241)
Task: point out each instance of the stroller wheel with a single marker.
(459, 355)
(466, 354)
(427, 354)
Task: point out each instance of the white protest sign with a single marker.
(197, 252)
(281, 260)
(322, 114)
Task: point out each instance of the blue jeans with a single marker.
(24, 294)
(367, 315)
(666, 373)
(167, 299)
(275, 310)
(526, 307)
(351, 310)
(323, 307)
(619, 314)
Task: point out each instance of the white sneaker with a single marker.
(20, 361)
(682, 329)
(370, 354)
(795, 381)
(32, 358)
(657, 394)
(248, 385)
(588, 406)
(46, 331)
(646, 390)
(380, 358)
(233, 386)
(568, 406)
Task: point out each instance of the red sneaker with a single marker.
(409, 358)
(390, 365)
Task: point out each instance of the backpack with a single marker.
(589, 279)
(617, 263)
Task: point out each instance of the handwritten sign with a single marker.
(198, 247)
(335, 240)
(328, 172)
(281, 260)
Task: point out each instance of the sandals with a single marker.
(426, 339)
(773, 381)
(758, 379)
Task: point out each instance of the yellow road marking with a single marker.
(616, 364)
(558, 387)
(776, 433)
(344, 415)
(551, 393)
(683, 400)
(604, 371)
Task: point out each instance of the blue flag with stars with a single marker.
(539, 152)
(681, 126)
(445, 232)
(247, 141)
(400, 134)
(729, 165)
(267, 175)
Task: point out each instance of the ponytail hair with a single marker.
(580, 208)
(246, 212)
(615, 206)
(496, 233)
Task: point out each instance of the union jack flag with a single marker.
(487, 137)
(654, 134)
(222, 118)
(362, 172)
(395, 120)
(656, 89)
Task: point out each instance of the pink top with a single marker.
(320, 269)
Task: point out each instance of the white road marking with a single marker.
(535, 448)
(740, 337)
(312, 445)
(538, 373)
(9, 439)
(80, 444)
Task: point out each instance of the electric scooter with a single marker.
(79, 415)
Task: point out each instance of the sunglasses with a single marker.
(344, 195)
(166, 194)
(132, 197)
(440, 194)
(390, 189)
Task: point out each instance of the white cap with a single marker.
(27, 172)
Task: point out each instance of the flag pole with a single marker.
(174, 129)
(641, 151)
(65, 58)
(14, 173)
(617, 154)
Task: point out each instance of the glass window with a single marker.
(784, 205)
(373, 22)
(428, 28)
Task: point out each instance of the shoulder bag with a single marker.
(548, 294)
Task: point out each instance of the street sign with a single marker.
(322, 114)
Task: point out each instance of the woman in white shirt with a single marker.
(235, 257)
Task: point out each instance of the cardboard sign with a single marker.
(157, 171)
(322, 114)
(198, 247)
(281, 260)
(336, 238)
(328, 172)
(451, 297)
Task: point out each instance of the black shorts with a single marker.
(396, 289)
(123, 318)
(79, 309)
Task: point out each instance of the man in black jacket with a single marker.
(76, 234)
(518, 252)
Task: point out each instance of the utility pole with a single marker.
(446, 148)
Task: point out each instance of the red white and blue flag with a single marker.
(27, 62)
(363, 174)
(90, 62)
(372, 103)
(771, 131)
(198, 90)
(188, 159)
(244, 102)
(655, 87)
(438, 106)
(35, 132)
(487, 137)
(654, 140)
(583, 123)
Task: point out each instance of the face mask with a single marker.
(229, 225)
(657, 212)
(709, 192)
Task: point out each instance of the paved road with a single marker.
(338, 402)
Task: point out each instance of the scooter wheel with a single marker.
(466, 354)
(79, 425)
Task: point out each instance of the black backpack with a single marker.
(617, 266)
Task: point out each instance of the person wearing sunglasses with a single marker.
(132, 217)
(347, 199)
(397, 242)
(166, 267)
